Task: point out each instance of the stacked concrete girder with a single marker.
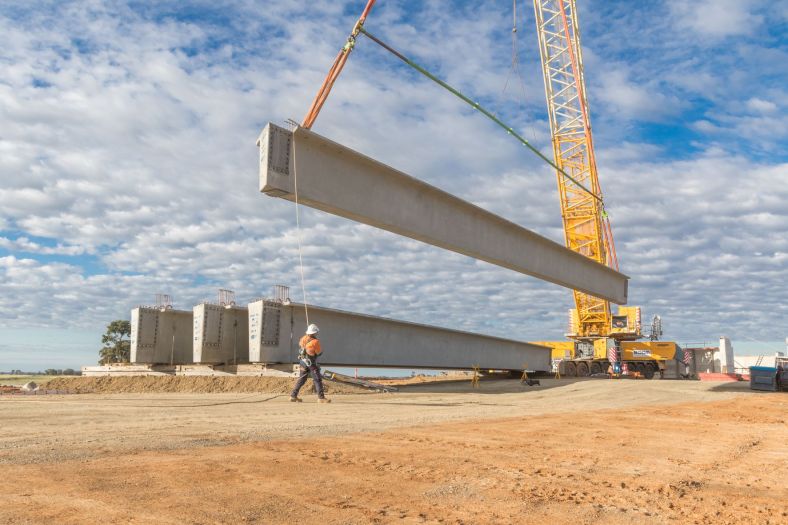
(161, 336)
(270, 332)
(221, 334)
(352, 339)
(338, 180)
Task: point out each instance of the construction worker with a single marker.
(309, 350)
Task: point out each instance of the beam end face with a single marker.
(276, 162)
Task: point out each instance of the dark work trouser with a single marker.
(303, 375)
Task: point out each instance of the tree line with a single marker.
(61, 372)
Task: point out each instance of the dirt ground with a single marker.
(564, 452)
(190, 384)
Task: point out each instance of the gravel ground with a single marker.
(53, 428)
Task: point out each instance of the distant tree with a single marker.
(117, 347)
(51, 372)
(69, 372)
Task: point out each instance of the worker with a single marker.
(309, 350)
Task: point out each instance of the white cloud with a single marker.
(628, 99)
(23, 244)
(141, 153)
(717, 18)
(761, 106)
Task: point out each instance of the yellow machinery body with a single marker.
(659, 351)
(579, 358)
(630, 350)
(625, 325)
(561, 349)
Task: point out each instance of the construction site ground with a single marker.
(568, 451)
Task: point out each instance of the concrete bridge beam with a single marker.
(338, 180)
(353, 339)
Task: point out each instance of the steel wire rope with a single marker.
(478, 107)
(514, 67)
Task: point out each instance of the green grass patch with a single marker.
(14, 380)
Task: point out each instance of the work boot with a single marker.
(295, 399)
(323, 400)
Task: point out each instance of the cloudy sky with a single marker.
(128, 163)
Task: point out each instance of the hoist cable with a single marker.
(515, 64)
(476, 106)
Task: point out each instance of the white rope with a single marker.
(298, 230)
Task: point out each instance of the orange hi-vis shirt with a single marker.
(311, 345)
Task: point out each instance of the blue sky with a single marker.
(128, 165)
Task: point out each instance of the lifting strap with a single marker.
(336, 69)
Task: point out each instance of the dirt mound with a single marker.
(191, 384)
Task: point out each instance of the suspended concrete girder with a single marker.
(338, 180)
(358, 340)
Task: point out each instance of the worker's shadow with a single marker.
(486, 386)
(243, 401)
(736, 386)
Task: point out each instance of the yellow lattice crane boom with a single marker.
(586, 229)
(596, 333)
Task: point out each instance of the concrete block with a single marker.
(161, 336)
(338, 180)
(243, 370)
(221, 334)
(126, 369)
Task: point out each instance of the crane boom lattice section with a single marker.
(584, 229)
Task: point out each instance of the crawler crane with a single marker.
(597, 337)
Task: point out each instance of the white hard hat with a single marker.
(312, 329)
